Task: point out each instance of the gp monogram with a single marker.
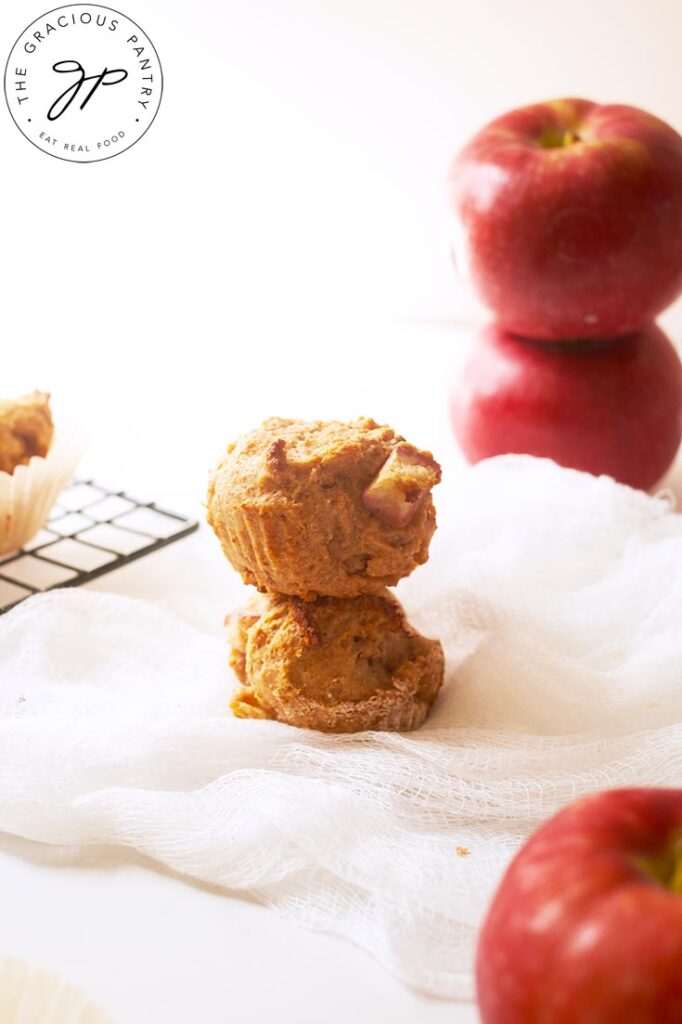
(83, 82)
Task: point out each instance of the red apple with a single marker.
(586, 927)
(568, 218)
(612, 407)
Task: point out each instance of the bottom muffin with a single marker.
(333, 664)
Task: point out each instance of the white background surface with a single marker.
(262, 251)
(253, 253)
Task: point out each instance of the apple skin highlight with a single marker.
(586, 927)
(568, 219)
(610, 407)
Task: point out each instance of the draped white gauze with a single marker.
(558, 598)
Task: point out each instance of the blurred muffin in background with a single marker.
(26, 429)
(37, 461)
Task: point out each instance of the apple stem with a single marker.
(665, 869)
(675, 879)
(558, 139)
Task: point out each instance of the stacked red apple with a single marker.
(568, 223)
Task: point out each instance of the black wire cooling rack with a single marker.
(91, 531)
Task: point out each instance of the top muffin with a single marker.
(335, 509)
(25, 429)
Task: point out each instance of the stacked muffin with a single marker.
(321, 518)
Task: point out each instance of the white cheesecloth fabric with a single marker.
(558, 599)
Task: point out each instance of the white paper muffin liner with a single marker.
(28, 494)
(31, 995)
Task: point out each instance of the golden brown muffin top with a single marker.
(283, 457)
(26, 429)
